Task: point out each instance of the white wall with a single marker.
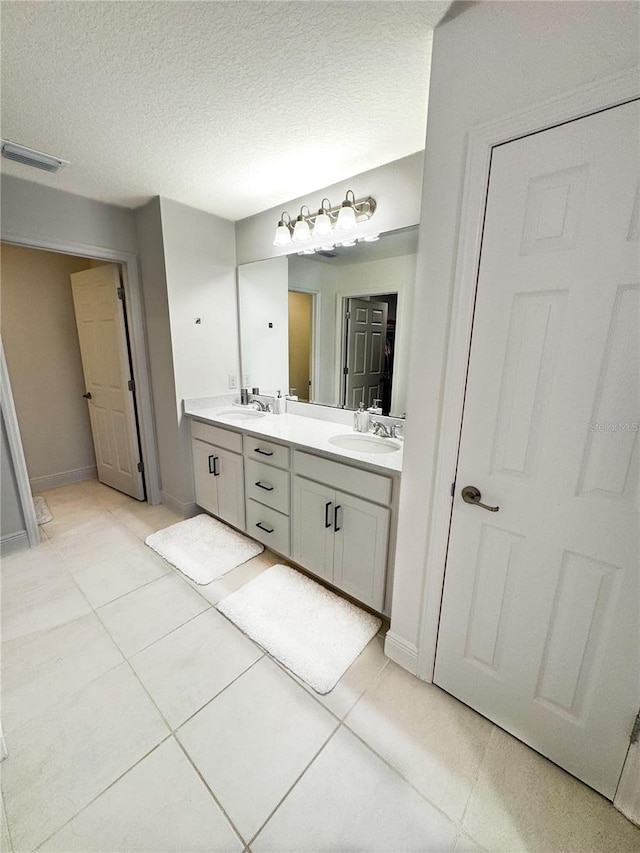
(188, 271)
(264, 324)
(489, 60)
(395, 187)
(43, 356)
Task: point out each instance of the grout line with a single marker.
(399, 774)
(97, 797)
(477, 776)
(293, 785)
(210, 790)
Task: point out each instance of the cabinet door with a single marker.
(205, 481)
(230, 483)
(360, 552)
(313, 527)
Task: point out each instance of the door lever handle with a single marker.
(471, 495)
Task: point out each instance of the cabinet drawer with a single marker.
(269, 526)
(267, 451)
(268, 485)
(373, 487)
(217, 435)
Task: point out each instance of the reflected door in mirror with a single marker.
(365, 348)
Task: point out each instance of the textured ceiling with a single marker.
(231, 107)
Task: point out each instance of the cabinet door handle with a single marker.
(262, 486)
(263, 452)
(327, 511)
(335, 519)
(213, 466)
(262, 527)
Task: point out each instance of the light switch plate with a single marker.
(233, 381)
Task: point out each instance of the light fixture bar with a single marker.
(364, 208)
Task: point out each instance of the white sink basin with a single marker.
(242, 414)
(364, 443)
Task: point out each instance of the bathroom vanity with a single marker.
(296, 484)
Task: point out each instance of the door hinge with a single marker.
(347, 316)
(453, 489)
(131, 385)
(635, 731)
(141, 467)
(345, 370)
(121, 293)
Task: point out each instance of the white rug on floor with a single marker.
(311, 630)
(203, 548)
(43, 513)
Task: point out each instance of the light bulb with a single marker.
(348, 243)
(328, 248)
(301, 231)
(371, 238)
(346, 218)
(322, 226)
(283, 235)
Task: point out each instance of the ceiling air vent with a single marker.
(29, 157)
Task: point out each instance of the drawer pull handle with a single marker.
(327, 514)
(263, 452)
(335, 519)
(262, 527)
(262, 486)
(213, 466)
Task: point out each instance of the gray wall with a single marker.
(36, 212)
(11, 519)
(43, 357)
(489, 61)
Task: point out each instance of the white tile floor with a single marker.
(138, 718)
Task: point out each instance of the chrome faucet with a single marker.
(260, 406)
(380, 429)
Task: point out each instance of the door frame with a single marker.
(138, 345)
(594, 97)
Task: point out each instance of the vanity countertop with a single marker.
(303, 433)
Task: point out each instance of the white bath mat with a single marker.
(202, 548)
(43, 513)
(311, 630)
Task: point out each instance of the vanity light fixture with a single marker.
(301, 232)
(371, 238)
(322, 227)
(346, 221)
(283, 232)
(341, 219)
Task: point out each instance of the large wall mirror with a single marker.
(331, 327)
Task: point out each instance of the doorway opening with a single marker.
(301, 344)
(69, 361)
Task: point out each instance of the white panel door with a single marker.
(366, 339)
(105, 362)
(539, 623)
(360, 548)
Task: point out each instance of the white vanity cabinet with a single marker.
(218, 472)
(268, 490)
(341, 536)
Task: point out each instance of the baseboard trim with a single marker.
(54, 481)
(188, 510)
(401, 652)
(14, 542)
